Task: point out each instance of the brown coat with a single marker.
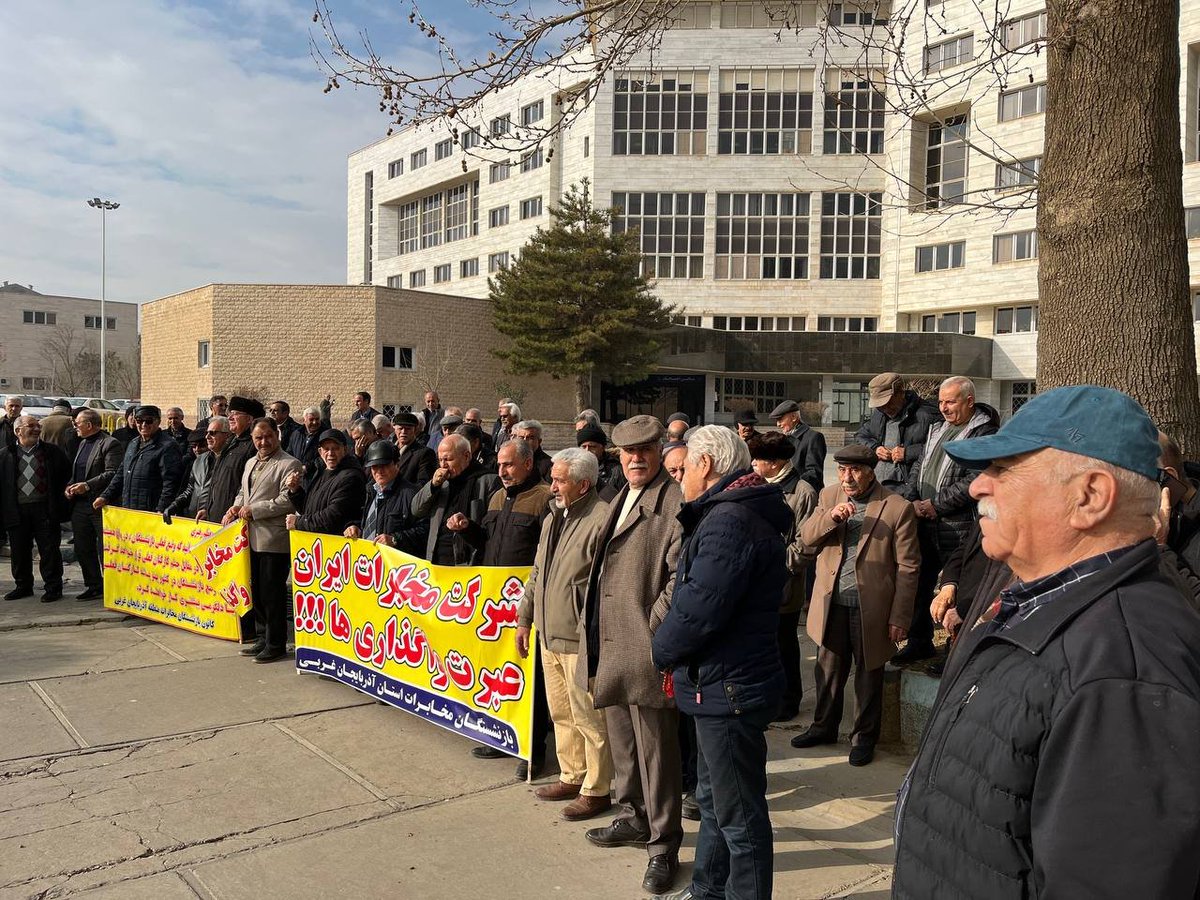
(629, 591)
(886, 567)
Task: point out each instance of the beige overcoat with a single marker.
(264, 492)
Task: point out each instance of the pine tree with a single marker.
(575, 303)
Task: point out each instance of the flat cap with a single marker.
(882, 387)
(856, 455)
(746, 417)
(380, 453)
(148, 412)
(590, 434)
(248, 406)
(638, 430)
(470, 431)
(787, 406)
(450, 422)
(774, 445)
(679, 417)
(331, 434)
(197, 436)
(405, 418)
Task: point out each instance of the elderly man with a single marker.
(718, 641)
(939, 488)
(151, 473)
(386, 516)
(12, 412)
(1059, 757)
(178, 431)
(507, 536)
(383, 427)
(474, 435)
(809, 458)
(896, 429)
(333, 500)
(448, 424)
(431, 414)
(58, 428)
(771, 456)
(745, 422)
(226, 478)
(194, 496)
(362, 436)
(501, 413)
(474, 416)
(33, 504)
(218, 405)
(304, 442)
(280, 412)
(674, 458)
(866, 582)
(417, 462)
(610, 479)
(530, 431)
(97, 460)
(458, 486)
(569, 538)
(510, 415)
(677, 426)
(629, 591)
(587, 418)
(128, 431)
(262, 502)
(363, 408)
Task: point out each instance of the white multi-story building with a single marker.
(808, 235)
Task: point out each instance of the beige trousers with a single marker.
(580, 735)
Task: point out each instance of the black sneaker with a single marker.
(52, 595)
(485, 752)
(268, 656)
(621, 833)
(690, 809)
(861, 756)
(252, 649)
(19, 593)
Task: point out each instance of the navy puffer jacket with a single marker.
(719, 637)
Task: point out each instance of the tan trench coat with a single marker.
(268, 500)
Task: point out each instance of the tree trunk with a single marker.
(583, 391)
(1115, 308)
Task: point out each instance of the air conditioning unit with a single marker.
(3, 382)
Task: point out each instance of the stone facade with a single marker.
(301, 342)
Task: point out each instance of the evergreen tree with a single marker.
(575, 303)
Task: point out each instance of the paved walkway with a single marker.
(139, 761)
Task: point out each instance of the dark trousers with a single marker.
(844, 645)
(645, 753)
(268, 592)
(920, 632)
(541, 709)
(688, 752)
(734, 849)
(35, 525)
(88, 531)
(789, 657)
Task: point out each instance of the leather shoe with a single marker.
(91, 594)
(523, 774)
(584, 807)
(268, 656)
(812, 738)
(485, 752)
(19, 594)
(684, 894)
(560, 790)
(252, 649)
(690, 809)
(621, 833)
(860, 756)
(913, 653)
(51, 596)
(660, 873)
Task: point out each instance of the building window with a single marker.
(937, 257)
(847, 323)
(1022, 391)
(409, 228)
(498, 217)
(35, 384)
(587, 146)
(854, 107)
(853, 14)
(928, 323)
(759, 394)
(417, 159)
(954, 323)
(1015, 319)
(443, 149)
(531, 161)
(762, 236)
(500, 125)
(671, 227)
(850, 234)
(533, 112)
(397, 357)
(369, 228)
(662, 113)
(692, 16)
(38, 317)
(531, 208)
(395, 168)
(441, 273)
(94, 322)
(497, 261)
(458, 210)
(755, 323)
(395, 281)
(946, 163)
(1019, 173)
(765, 111)
(498, 172)
(1020, 245)
(468, 268)
(1191, 218)
(1026, 101)
(431, 221)
(690, 321)
(416, 279)
(758, 15)
(203, 354)
(1025, 30)
(954, 52)
(470, 138)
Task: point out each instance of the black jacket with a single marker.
(720, 634)
(58, 474)
(102, 463)
(915, 419)
(542, 464)
(809, 458)
(610, 480)
(150, 475)
(396, 517)
(180, 438)
(226, 478)
(509, 532)
(468, 494)
(1059, 759)
(417, 464)
(333, 501)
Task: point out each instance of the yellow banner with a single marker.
(193, 575)
(436, 641)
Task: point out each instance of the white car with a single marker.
(111, 415)
(31, 404)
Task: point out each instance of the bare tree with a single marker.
(71, 363)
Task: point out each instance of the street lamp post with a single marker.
(104, 206)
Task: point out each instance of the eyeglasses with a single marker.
(145, 421)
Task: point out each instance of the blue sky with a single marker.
(206, 121)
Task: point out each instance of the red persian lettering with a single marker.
(368, 573)
(310, 612)
(236, 597)
(499, 686)
(216, 557)
(364, 642)
(440, 680)
(497, 616)
(405, 588)
(514, 588)
(337, 570)
(339, 623)
(460, 670)
(459, 605)
(307, 565)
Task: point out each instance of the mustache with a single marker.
(987, 509)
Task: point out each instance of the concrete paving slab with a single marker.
(132, 705)
(71, 848)
(30, 612)
(29, 726)
(185, 643)
(34, 653)
(167, 886)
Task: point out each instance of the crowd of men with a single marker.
(1061, 552)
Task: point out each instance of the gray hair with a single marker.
(173, 409)
(590, 416)
(457, 444)
(966, 387)
(1140, 495)
(453, 411)
(727, 451)
(511, 409)
(521, 446)
(363, 426)
(380, 420)
(529, 425)
(221, 421)
(27, 419)
(89, 415)
(581, 464)
(310, 411)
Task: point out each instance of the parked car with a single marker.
(125, 404)
(31, 404)
(111, 416)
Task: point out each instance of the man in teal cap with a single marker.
(1060, 756)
